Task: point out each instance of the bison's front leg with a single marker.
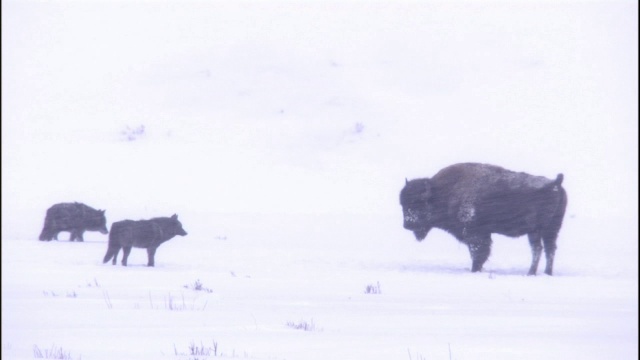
(480, 249)
(151, 252)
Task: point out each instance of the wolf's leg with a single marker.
(115, 255)
(151, 252)
(125, 254)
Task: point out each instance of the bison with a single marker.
(75, 218)
(472, 201)
(148, 234)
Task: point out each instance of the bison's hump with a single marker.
(475, 177)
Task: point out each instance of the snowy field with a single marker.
(281, 134)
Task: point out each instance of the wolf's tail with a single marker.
(46, 229)
(112, 250)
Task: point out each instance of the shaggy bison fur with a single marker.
(472, 201)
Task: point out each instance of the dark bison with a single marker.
(472, 201)
(148, 234)
(75, 218)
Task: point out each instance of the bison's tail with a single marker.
(559, 179)
(555, 184)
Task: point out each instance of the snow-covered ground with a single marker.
(267, 271)
(281, 134)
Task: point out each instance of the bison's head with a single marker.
(415, 198)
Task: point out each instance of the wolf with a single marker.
(75, 218)
(147, 234)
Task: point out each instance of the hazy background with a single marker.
(310, 107)
(281, 134)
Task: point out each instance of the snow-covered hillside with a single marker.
(281, 134)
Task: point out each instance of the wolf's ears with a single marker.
(174, 217)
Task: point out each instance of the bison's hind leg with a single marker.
(550, 251)
(535, 240)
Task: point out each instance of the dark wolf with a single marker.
(148, 234)
(75, 218)
(472, 201)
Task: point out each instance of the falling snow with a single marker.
(281, 134)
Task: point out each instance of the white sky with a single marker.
(253, 106)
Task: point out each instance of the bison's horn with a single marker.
(406, 181)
